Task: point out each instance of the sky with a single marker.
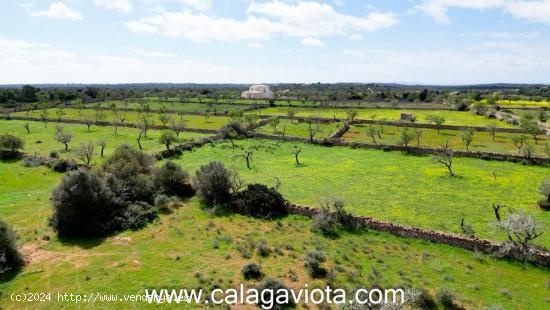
(275, 41)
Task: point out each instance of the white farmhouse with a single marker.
(258, 92)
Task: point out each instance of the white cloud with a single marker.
(355, 37)
(263, 21)
(531, 10)
(58, 10)
(153, 54)
(201, 5)
(309, 18)
(312, 42)
(118, 5)
(256, 45)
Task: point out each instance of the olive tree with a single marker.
(405, 136)
(437, 120)
(492, 129)
(444, 157)
(64, 137)
(521, 229)
(167, 138)
(373, 132)
(518, 141)
(85, 152)
(467, 136)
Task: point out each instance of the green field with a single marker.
(389, 186)
(190, 248)
(191, 121)
(172, 105)
(483, 141)
(451, 117)
(41, 140)
(523, 103)
(297, 129)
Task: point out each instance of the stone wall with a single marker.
(541, 258)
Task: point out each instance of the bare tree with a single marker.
(177, 126)
(88, 121)
(85, 152)
(373, 132)
(26, 126)
(444, 157)
(145, 125)
(247, 155)
(102, 144)
(237, 183)
(296, 152)
(417, 133)
(496, 210)
(492, 129)
(139, 141)
(521, 229)
(519, 141)
(313, 127)
(467, 136)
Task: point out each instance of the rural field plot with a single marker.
(294, 128)
(390, 186)
(278, 102)
(191, 121)
(505, 103)
(482, 141)
(213, 250)
(451, 117)
(172, 105)
(41, 140)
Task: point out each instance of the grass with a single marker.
(190, 248)
(41, 139)
(297, 129)
(431, 138)
(505, 103)
(451, 117)
(156, 104)
(389, 186)
(191, 121)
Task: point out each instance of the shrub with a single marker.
(251, 271)
(424, 300)
(278, 290)
(325, 222)
(213, 183)
(10, 146)
(54, 154)
(63, 165)
(544, 190)
(263, 249)
(313, 261)
(171, 180)
(132, 169)
(11, 143)
(10, 257)
(446, 298)
(258, 200)
(84, 206)
(234, 128)
(34, 161)
(137, 215)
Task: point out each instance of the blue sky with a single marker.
(242, 41)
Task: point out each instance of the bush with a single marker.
(258, 200)
(251, 271)
(132, 169)
(235, 128)
(11, 143)
(10, 257)
(54, 154)
(276, 289)
(325, 222)
(85, 206)
(446, 298)
(171, 180)
(137, 215)
(63, 165)
(213, 183)
(34, 161)
(313, 261)
(263, 249)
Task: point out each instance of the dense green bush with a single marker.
(171, 180)
(258, 200)
(132, 168)
(64, 165)
(213, 183)
(10, 257)
(85, 206)
(251, 271)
